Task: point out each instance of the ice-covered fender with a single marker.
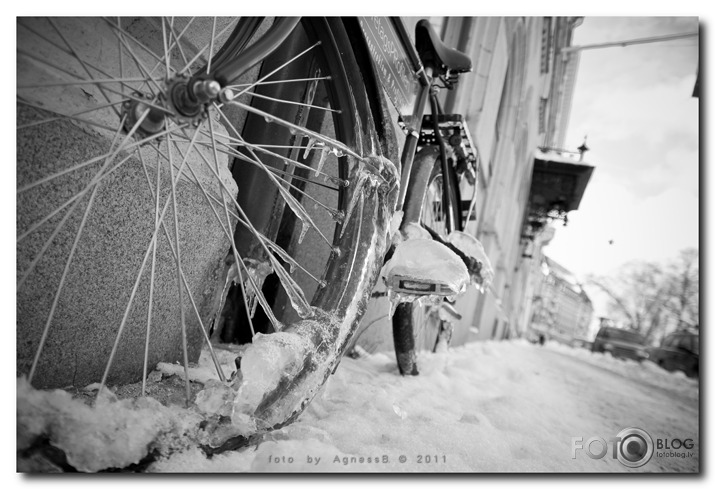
(283, 371)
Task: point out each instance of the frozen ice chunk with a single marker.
(415, 231)
(426, 267)
(216, 398)
(269, 359)
(470, 246)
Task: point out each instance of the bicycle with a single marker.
(223, 137)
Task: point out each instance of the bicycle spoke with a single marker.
(239, 261)
(153, 271)
(129, 36)
(289, 285)
(285, 159)
(335, 213)
(83, 82)
(230, 151)
(78, 119)
(50, 64)
(184, 345)
(78, 58)
(125, 316)
(233, 243)
(333, 144)
(175, 42)
(69, 201)
(167, 57)
(96, 159)
(70, 116)
(120, 49)
(274, 82)
(290, 102)
(269, 243)
(121, 36)
(292, 262)
(211, 47)
(183, 278)
(295, 206)
(57, 67)
(201, 52)
(55, 300)
(62, 222)
(262, 79)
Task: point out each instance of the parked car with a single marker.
(579, 342)
(678, 351)
(620, 343)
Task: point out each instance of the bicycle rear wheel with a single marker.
(432, 204)
(127, 203)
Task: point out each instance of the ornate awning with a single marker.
(557, 185)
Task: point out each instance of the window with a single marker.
(542, 115)
(546, 45)
(501, 114)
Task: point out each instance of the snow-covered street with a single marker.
(484, 407)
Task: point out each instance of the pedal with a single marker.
(422, 267)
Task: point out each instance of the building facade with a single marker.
(516, 102)
(561, 308)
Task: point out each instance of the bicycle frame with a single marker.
(405, 80)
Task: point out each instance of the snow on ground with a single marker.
(484, 407)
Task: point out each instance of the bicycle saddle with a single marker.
(437, 55)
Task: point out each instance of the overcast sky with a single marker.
(635, 104)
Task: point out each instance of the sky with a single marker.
(635, 104)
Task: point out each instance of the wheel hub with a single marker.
(184, 100)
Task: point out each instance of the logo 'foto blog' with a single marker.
(633, 447)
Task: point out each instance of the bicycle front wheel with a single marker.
(127, 208)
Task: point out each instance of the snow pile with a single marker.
(113, 433)
(488, 406)
(644, 372)
(472, 247)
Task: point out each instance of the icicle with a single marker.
(257, 294)
(338, 216)
(293, 290)
(321, 161)
(283, 254)
(253, 305)
(298, 210)
(311, 143)
(394, 302)
(268, 119)
(303, 231)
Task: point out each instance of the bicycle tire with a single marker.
(53, 131)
